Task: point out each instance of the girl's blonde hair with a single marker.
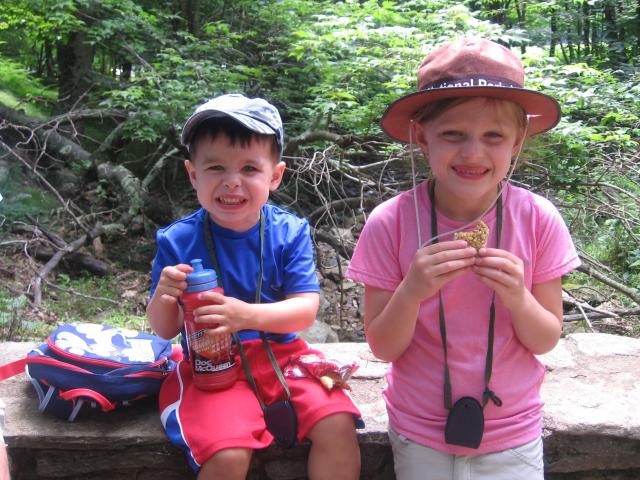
(433, 110)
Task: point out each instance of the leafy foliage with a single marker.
(336, 66)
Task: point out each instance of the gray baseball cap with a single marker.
(256, 114)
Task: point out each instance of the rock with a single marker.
(320, 332)
(592, 393)
(591, 427)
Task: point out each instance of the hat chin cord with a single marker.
(503, 185)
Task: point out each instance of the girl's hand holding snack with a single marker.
(503, 272)
(435, 265)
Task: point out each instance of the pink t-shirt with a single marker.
(533, 230)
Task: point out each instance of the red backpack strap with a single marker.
(176, 352)
(105, 404)
(11, 369)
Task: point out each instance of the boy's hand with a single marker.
(435, 265)
(172, 283)
(503, 272)
(226, 314)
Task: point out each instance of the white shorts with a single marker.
(413, 461)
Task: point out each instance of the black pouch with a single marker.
(465, 423)
(282, 423)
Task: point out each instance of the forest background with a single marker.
(93, 95)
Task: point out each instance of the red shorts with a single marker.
(204, 422)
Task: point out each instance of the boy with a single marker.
(235, 145)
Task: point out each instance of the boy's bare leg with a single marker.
(227, 464)
(335, 453)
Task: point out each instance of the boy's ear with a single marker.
(276, 177)
(191, 171)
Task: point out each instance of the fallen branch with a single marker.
(319, 135)
(74, 261)
(157, 168)
(632, 293)
(128, 183)
(335, 243)
(56, 258)
(576, 317)
(32, 168)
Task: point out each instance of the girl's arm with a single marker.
(537, 314)
(390, 317)
(389, 321)
(537, 319)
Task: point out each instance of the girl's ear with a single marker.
(419, 135)
(276, 176)
(518, 144)
(191, 171)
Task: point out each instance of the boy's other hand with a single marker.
(172, 283)
(227, 314)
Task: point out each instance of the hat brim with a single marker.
(249, 122)
(543, 111)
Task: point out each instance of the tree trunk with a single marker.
(622, 34)
(637, 24)
(553, 25)
(191, 12)
(127, 68)
(521, 12)
(75, 59)
(586, 28)
(611, 33)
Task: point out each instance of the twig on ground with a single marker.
(80, 294)
(575, 317)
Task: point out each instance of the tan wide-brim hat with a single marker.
(471, 68)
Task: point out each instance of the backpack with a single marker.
(97, 364)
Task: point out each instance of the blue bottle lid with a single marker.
(201, 278)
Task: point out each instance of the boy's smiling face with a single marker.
(233, 182)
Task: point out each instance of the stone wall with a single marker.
(591, 423)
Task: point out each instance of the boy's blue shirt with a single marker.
(289, 265)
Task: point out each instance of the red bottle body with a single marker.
(210, 354)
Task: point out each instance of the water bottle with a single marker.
(211, 355)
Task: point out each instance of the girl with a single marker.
(461, 326)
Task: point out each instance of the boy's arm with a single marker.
(296, 312)
(164, 319)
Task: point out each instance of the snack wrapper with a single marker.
(330, 373)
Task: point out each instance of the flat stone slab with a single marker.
(592, 397)
(591, 422)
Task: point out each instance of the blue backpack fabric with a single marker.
(100, 365)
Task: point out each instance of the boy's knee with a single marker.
(228, 463)
(334, 430)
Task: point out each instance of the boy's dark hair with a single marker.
(234, 130)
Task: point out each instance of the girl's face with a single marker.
(469, 148)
